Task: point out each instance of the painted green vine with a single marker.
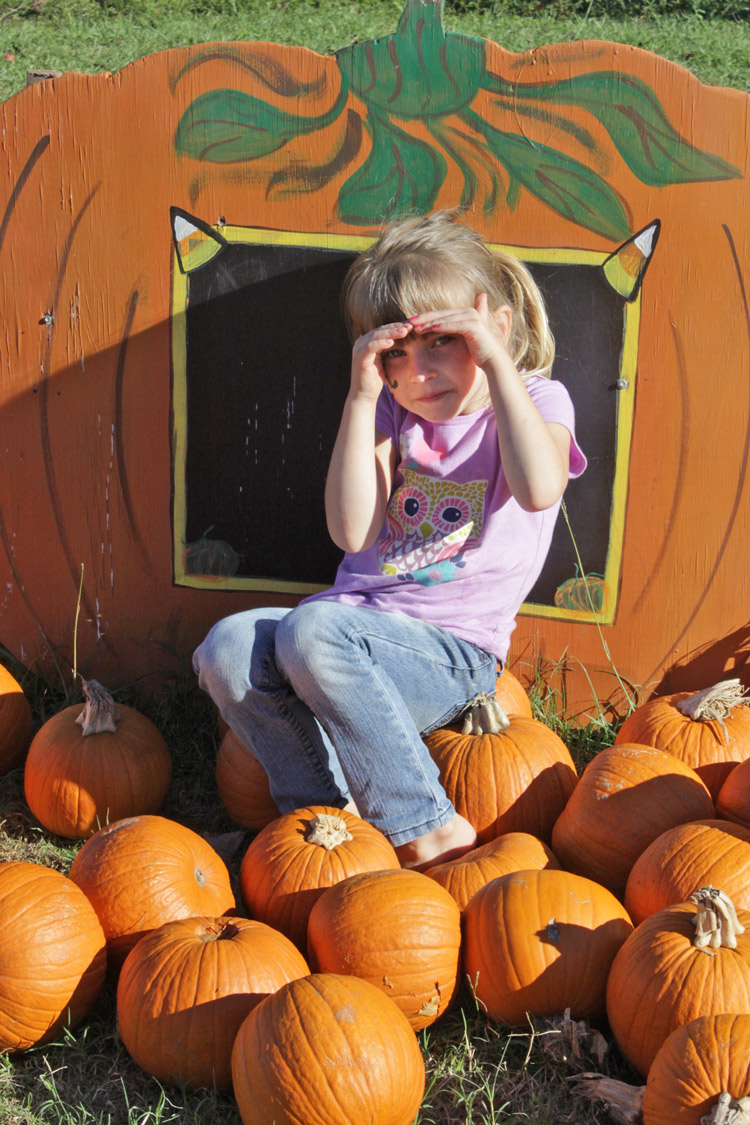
(423, 73)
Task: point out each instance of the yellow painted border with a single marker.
(624, 424)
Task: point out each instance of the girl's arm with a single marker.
(363, 461)
(535, 454)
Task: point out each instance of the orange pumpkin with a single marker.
(691, 855)
(511, 695)
(515, 780)
(295, 858)
(514, 851)
(243, 784)
(627, 796)
(89, 766)
(733, 799)
(52, 954)
(146, 870)
(186, 987)
(662, 976)
(15, 721)
(700, 1069)
(708, 730)
(540, 942)
(397, 929)
(324, 1049)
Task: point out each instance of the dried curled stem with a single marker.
(716, 923)
(484, 715)
(100, 712)
(327, 831)
(715, 702)
(727, 1111)
(571, 1041)
(622, 1102)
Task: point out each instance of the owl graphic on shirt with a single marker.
(429, 525)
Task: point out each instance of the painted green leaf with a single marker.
(420, 71)
(402, 174)
(573, 190)
(634, 118)
(225, 126)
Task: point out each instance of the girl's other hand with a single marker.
(486, 333)
(368, 370)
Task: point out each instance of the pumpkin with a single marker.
(586, 592)
(662, 976)
(514, 779)
(186, 987)
(146, 870)
(89, 766)
(626, 797)
(295, 858)
(398, 929)
(511, 695)
(687, 856)
(541, 941)
(326, 1050)
(514, 851)
(733, 799)
(243, 785)
(701, 1074)
(52, 954)
(708, 730)
(15, 721)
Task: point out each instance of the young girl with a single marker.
(452, 456)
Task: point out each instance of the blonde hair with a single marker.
(435, 262)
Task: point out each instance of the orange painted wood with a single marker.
(89, 426)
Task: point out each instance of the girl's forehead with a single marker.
(415, 299)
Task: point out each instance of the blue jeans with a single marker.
(332, 700)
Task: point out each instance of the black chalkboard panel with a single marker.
(267, 372)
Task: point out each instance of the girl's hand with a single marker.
(368, 371)
(484, 332)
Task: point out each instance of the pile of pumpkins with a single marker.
(621, 895)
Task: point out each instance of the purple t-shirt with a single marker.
(455, 549)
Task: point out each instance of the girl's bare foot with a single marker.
(351, 807)
(439, 846)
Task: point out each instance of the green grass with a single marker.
(82, 35)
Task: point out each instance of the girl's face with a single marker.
(433, 375)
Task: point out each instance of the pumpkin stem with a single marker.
(727, 1111)
(716, 923)
(484, 715)
(327, 831)
(100, 712)
(715, 702)
(623, 1102)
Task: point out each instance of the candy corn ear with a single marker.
(625, 267)
(195, 241)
